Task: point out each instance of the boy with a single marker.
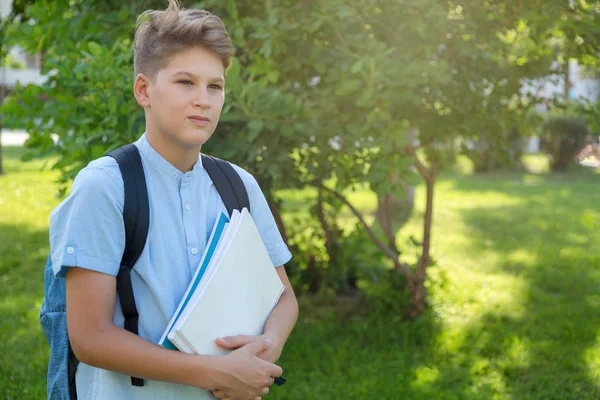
(180, 61)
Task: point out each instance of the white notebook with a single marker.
(233, 291)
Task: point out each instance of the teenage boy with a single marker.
(181, 57)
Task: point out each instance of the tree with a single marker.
(88, 67)
(367, 74)
(333, 95)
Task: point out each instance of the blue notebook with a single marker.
(235, 272)
(211, 246)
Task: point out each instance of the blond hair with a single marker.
(161, 34)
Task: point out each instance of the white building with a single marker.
(5, 7)
(33, 63)
(581, 87)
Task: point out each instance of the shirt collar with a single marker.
(160, 164)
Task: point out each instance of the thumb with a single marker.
(258, 346)
(235, 342)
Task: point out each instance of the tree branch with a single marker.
(330, 239)
(399, 266)
(423, 170)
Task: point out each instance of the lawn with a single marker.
(515, 298)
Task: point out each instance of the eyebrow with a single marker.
(216, 79)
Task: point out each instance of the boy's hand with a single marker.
(243, 375)
(271, 354)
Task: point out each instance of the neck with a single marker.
(178, 154)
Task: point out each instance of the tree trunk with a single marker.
(1, 161)
(385, 206)
(393, 212)
(418, 296)
(2, 94)
(566, 72)
(418, 299)
(330, 236)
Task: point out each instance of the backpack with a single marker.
(62, 364)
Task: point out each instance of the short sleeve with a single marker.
(86, 229)
(263, 218)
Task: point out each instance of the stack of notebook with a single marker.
(233, 291)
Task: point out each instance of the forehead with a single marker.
(197, 61)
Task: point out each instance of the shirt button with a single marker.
(194, 251)
(70, 250)
(187, 207)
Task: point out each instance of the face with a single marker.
(184, 102)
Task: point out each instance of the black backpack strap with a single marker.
(136, 217)
(72, 363)
(228, 183)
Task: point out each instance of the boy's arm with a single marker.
(278, 327)
(282, 320)
(96, 341)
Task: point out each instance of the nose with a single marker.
(201, 100)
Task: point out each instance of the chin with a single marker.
(196, 138)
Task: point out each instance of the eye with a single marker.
(215, 86)
(186, 82)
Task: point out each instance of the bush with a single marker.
(501, 150)
(562, 138)
(329, 259)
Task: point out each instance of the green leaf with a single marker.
(123, 14)
(357, 66)
(112, 105)
(97, 151)
(95, 49)
(232, 9)
(366, 99)
(28, 156)
(412, 178)
(348, 86)
(256, 124)
(252, 135)
(234, 79)
(272, 77)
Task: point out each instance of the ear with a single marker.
(141, 90)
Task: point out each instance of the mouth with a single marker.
(199, 120)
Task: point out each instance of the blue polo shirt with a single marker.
(86, 230)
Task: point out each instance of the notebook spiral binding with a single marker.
(278, 297)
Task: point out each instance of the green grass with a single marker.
(26, 199)
(515, 297)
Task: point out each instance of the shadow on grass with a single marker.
(23, 364)
(334, 354)
(337, 351)
(549, 243)
(521, 183)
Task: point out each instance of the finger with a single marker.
(219, 394)
(222, 395)
(235, 342)
(258, 346)
(265, 391)
(270, 370)
(274, 370)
